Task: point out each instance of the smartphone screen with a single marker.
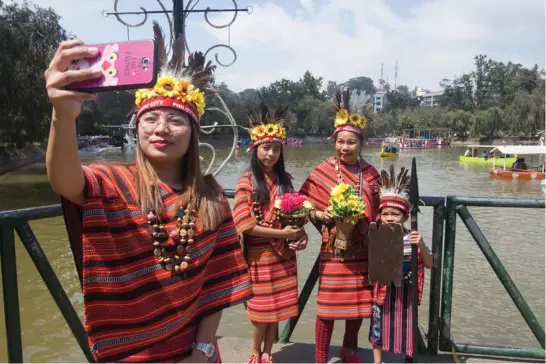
(124, 65)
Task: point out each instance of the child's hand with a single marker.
(415, 237)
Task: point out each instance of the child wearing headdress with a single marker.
(391, 324)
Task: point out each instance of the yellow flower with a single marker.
(167, 87)
(260, 131)
(339, 123)
(270, 130)
(186, 87)
(277, 204)
(144, 94)
(253, 134)
(355, 119)
(200, 110)
(342, 114)
(339, 190)
(308, 205)
(364, 122)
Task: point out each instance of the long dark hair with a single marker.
(284, 179)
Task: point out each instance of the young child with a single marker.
(390, 327)
(272, 265)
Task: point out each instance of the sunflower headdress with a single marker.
(266, 126)
(180, 85)
(394, 190)
(345, 120)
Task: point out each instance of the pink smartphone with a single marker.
(124, 65)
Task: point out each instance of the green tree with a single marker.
(29, 35)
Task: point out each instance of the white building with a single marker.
(431, 99)
(380, 99)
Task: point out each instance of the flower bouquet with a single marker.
(293, 209)
(346, 208)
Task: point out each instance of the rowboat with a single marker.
(489, 162)
(519, 174)
(384, 154)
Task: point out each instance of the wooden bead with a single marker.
(157, 252)
(184, 265)
(169, 267)
(177, 268)
(189, 249)
(167, 260)
(183, 233)
(174, 234)
(187, 258)
(180, 249)
(191, 233)
(191, 241)
(157, 244)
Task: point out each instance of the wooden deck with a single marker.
(236, 350)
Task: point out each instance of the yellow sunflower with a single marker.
(144, 94)
(199, 98)
(260, 131)
(167, 87)
(253, 134)
(282, 132)
(355, 119)
(342, 114)
(186, 87)
(270, 130)
(364, 122)
(339, 123)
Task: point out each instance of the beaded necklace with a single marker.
(259, 210)
(173, 249)
(340, 176)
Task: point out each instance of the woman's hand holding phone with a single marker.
(66, 103)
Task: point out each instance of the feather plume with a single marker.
(346, 99)
(159, 38)
(261, 115)
(391, 184)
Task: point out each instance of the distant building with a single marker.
(430, 99)
(380, 99)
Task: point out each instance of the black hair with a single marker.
(284, 179)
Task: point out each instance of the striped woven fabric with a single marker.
(391, 324)
(344, 289)
(134, 310)
(273, 269)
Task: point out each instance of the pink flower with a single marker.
(291, 202)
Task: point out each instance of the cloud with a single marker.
(340, 39)
(434, 40)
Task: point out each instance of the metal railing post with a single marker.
(302, 301)
(54, 286)
(447, 271)
(11, 294)
(436, 279)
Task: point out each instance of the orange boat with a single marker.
(519, 174)
(515, 173)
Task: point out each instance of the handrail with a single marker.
(458, 206)
(445, 210)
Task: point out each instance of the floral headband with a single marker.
(266, 127)
(344, 119)
(181, 85)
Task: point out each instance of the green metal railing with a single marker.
(438, 335)
(458, 206)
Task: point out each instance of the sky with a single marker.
(337, 39)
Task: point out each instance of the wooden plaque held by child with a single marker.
(386, 254)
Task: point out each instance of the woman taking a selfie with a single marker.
(155, 244)
(344, 291)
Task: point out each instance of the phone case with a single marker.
(124, 65)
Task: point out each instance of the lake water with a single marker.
(483, 313)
